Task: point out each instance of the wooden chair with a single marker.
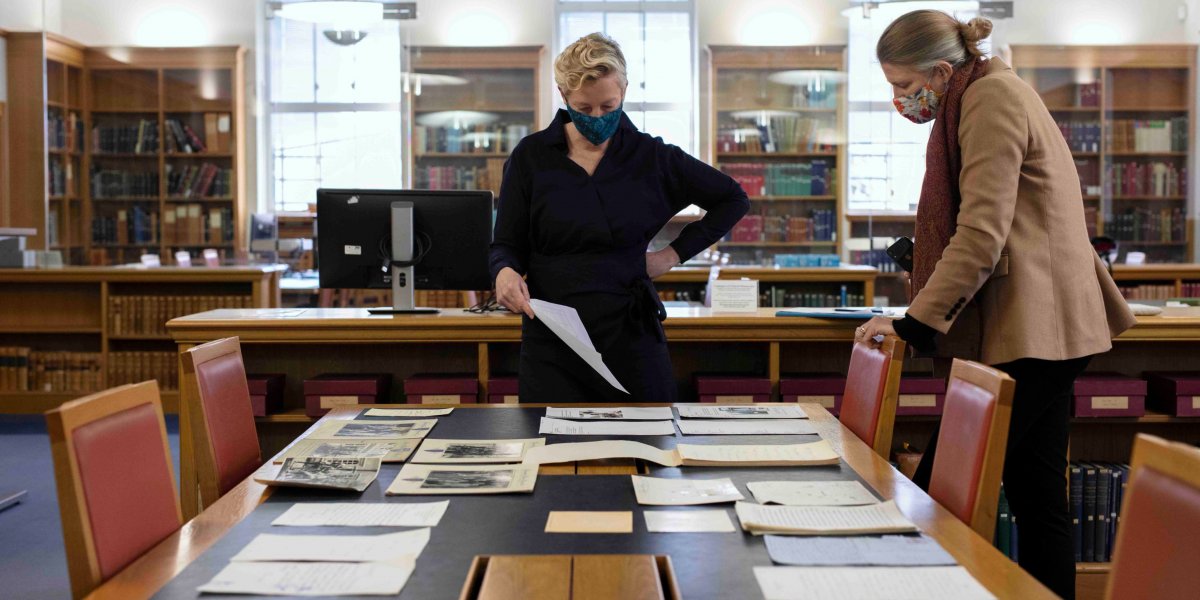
(872, 391)
(1157, 551)
(972, 442)
(116, 487)
(223, 433)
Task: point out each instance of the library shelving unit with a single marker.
(1128, 114)
(777, 123)
(469, 108)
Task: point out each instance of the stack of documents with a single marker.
(884, 551)
(475, 451)
(746, 427)
(550, 426)
(711, 411)
(656, 491)
(811, 493)
(884, 517)
(903, 583)
(776, 455)
(483, 479)
(327, 473)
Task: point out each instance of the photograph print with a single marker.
(483, 450)
(744, 410)
(601, 413)
(374, 430)
(468, 480)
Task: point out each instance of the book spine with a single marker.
(1089, 513)
(1003, 529)
(1100, 539)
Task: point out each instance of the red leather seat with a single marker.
(1158, 542)
(974, 433)
(116, 487)
(872, 388)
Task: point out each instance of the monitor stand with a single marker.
(403, 278)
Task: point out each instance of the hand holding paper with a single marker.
(565, 323)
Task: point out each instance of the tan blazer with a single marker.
(1020, 254)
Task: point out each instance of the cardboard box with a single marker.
(266, 393)
(825, 389)
(1109, 395)
(330, 390)
(503, 390)
(441, 389)
(727, 389)
(1174, 393)
(921, 395)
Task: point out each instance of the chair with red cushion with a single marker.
(972, 442)
(1157, 552)
(116, 487)
(872, 391)
(220, 418)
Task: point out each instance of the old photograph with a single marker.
(601, 413)
(459, 480)
(374, 430)
(745, 410)
(483, 450)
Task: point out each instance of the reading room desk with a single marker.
(709, 565)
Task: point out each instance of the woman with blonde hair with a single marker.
(1003, 270)
(580, 202)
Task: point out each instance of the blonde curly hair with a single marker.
(589, 58)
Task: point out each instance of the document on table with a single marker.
(622, 413)
(885, 551)
(373, 430)
(481, 479)
(334, 548)
(688, 521)
(602, 521)
(565, 323)
(577, 451)
(811, 493)
(311, 579)
(884, 517)
(402, 413)
(475, 451)
(327, 473)
(560, 427)
(657, 491)
(746, 427)
(859, 583)
(710, 411)
(386, 451)
(363, 514)
(777, 455)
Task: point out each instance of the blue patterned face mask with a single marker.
(597, 130)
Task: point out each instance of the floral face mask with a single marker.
(920, 106)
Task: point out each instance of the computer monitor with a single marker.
(404, 240)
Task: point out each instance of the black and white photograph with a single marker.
(601, 413)
(484, 450)
(745, 410)
(338, 473)
(374, 430)
(473, 480)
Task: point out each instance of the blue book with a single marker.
(1089, 512)
(1075, 494)
(1103, 485)
(1003, 525)
(1012, 519)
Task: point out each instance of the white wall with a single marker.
(21, 15)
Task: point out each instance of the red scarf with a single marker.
(937, 210)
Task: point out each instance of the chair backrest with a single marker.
(217, 398)
(116, 487)
(971, 444)
(1157, 551)
(872, 391)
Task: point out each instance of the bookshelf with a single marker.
(777, 124)
(1128, 114)
(469, 108)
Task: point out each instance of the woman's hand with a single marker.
(658, 263)
(512, 293)
(876, 326)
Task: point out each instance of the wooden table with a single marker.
(150, 573)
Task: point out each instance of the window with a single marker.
(659, 42)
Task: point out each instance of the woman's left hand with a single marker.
(658, 263)
(876, 326)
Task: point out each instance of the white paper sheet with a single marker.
(886, 551)
(561, 427)
(884, 517)
(363, 514)
(689, 521)
(577, 451)
(869, 583)
(622, 413)
(657, 491)
(274, 547)
(565, 323)
(474, 451)
(406, 413)
(712, 411)
(811, 493)
(311, 579)
(813, 454)
(746, 427)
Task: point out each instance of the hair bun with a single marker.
(976, 29)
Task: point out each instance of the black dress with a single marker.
(581, 241)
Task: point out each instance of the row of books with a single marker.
(1149, 135)
(780, 297)
(134, 225)
(681, 295)
(460, 177)
(64, 132)
(127, 138)
(1081, 136)
(118, 183)
(818, 226)
(792, 133)
(814, 178)
(1096, 491)
(199, 181)
(1087, 94)
(62, 178)
(148, 315)
(744, 88)
(23, 369)
(875, 258)
(500, 137)
(792, 261)
(191, 225)
(133, 367)
(1147, 292)
(1146, 179)
(1148, 225)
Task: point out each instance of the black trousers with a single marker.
(1035, 468)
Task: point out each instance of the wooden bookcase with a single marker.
(1128, 114)
(469, 108)
(778, 126)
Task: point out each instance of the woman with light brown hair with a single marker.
(1003, 270)
(580, 202)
